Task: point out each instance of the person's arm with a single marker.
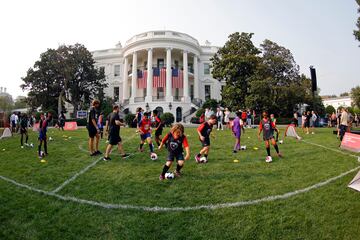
(138, 127)
(163, 141)
(200, 128)
(187, 148)
(260, 130)
(117, 122)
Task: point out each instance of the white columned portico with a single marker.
(186, 97)
(196, 77)
(125, 80)
(149, 86)
(168, 96)
(133, 78)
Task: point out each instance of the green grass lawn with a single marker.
(331, 211)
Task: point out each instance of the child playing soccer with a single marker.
(204, 131)
(158, 127)
(267, 127)
(236, 129)
(175, 141)
(114, 134)
(42, 133)
(23, 130)
(144, 129)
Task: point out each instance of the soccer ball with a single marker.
(153, 156)
(268, 159)
(203, 160)
(281, 141)
(51, 139)
(42, 154)
(243, 147)
(31, 145)
(169, 175)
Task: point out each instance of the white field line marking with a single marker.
(79, 173)
(331, 149)
(167, 209)
(75, 176)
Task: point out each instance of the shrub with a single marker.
(211, 103)
(195, 120)
(330, 109)
(129, 120)
(199, 112)
(167, 118)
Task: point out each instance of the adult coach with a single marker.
(93, 130)
(114, 134)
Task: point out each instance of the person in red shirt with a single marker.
(159, 125)
(204, 131)
(144, 129)
(268, 127)
(243, 117)
(175, 140)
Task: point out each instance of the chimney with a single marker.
(1, 89)
(5, 90)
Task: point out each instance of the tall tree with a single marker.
(357, 32)
(236, 63)
(355, 96)
(66, 74)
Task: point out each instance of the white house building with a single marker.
(338, 102)
(164, 70)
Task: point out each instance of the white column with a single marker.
(196, 77)
(125, 80)
(186, 97)
(169, 97)
(149, 79)
(133, 78)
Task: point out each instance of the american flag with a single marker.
(159, 77)
(177, 78)
(142, 79)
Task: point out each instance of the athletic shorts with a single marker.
(114, 140)
(145, 136)
(42, 137)
(237, 134)
(158, 132)
(206, 142)
(268, 137)
(307, 124)
(92, 132)
(177, 156)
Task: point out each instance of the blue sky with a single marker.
(318, 32)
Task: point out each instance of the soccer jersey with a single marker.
(23, 123)
(91, 116)
(158, 124)
(236, 128)
(205, 129)
(145, 126)
(267, 126)
(114, 129)
(175, 145)
(43, 129)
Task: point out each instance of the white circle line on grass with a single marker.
(167, 209)
(334, 150)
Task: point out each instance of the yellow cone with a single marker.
(255, 148)
(43, 160)
(236, 161)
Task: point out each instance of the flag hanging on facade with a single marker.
(159, 77)
(142, 79)
(177, 79)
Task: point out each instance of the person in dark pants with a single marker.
(42, 133)
(93, 130)
(114, 134)
(23, 130)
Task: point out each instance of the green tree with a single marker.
(236, 63)
(344, 94)
(276, 86)
(330, 109)
(357, 32)
(66, 74)
(6, 102)
(355, 96)
(211, 104)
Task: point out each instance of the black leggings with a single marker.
(45, 146)
(22, 136)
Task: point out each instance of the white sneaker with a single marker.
(312, 133)
(268, 159)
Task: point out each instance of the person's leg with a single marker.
(166, 168)
(27, 137)
(91, 145)
(108, 150)
(97, 140)
(180, 164)
(121, 149)
(273, 142)
(267, 145)
(39, 147)
(21, 139)
(141, 144)
(151, 146)
(237, 144)
(45, 146)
